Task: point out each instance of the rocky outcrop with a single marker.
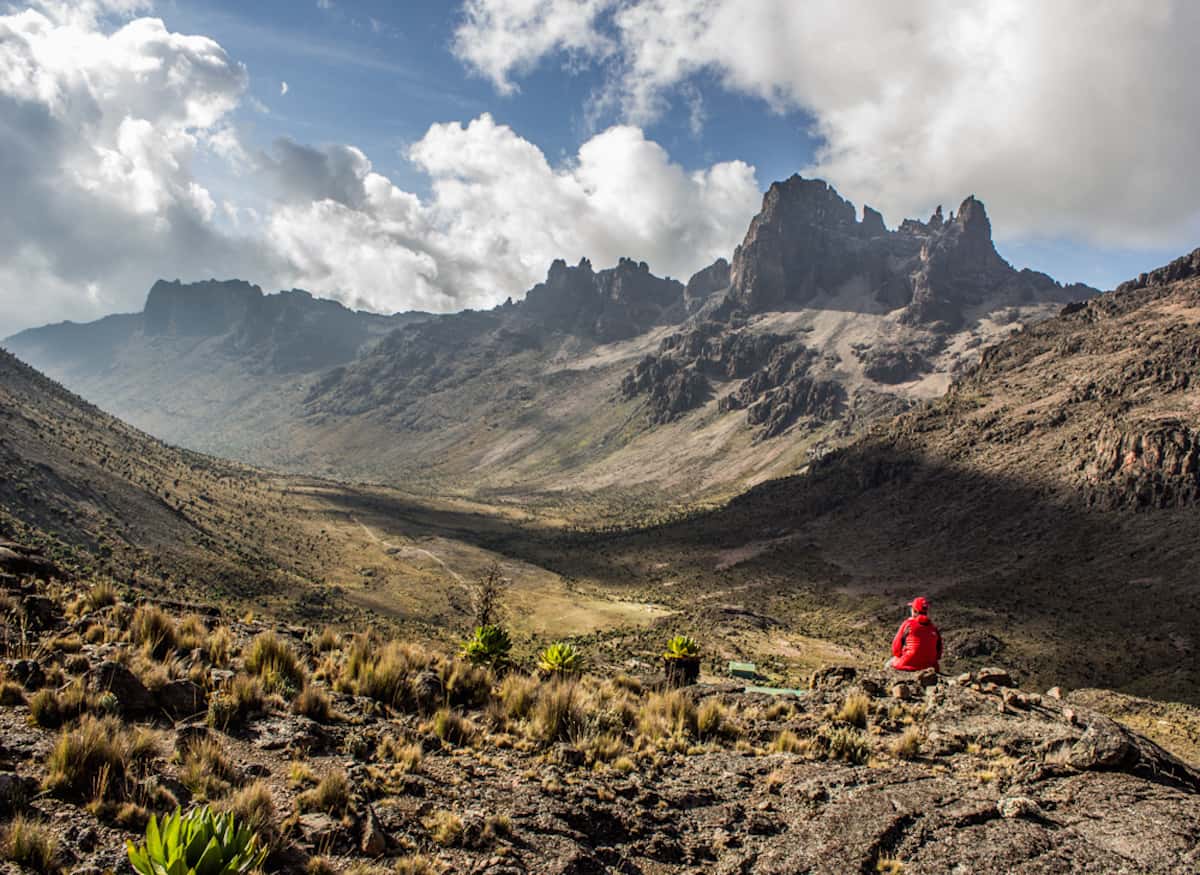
(1156, 468)
(608, 305)
(706, 283)
(806, 243)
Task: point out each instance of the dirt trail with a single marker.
(405, 550)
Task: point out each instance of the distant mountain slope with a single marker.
(1048, 504)
(614, 385)
(70, 473)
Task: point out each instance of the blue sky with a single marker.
(431, 155)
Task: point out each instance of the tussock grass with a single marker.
(218, 646)
(236, 706)
(788, 742)
(445, 828)
(385, 673)
(326, 640)
(30, 844)
(192, 633)
(908, 745)
(206, 771)
(274, 661)
(102, 594)
(712, 720)
(11, 694)
(407, 756)
(94, 759)
(313, 702)
(518, 694)
(666, 715)
(331, 795)
(416, 864)
(855, 710)
(50, 709)
(558, 714)
(452, 727)
(254, 806)
(153, 629)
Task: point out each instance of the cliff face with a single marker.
(806, 243)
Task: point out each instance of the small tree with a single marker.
(487, 596)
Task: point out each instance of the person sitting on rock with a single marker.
(918, 643)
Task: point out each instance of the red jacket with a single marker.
(917, 645)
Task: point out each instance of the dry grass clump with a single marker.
(406, 755)
(445, 828)
(192, 633)
(320, 866)
(558, 714)
(416, 864)
(713, 721)
(384, 673)
(889, 865)
(218, 646)
(518, 693)
(667, 715)
(30, 844)
(50, 709)
(846, 743)
(452, 727)
(908, 745)
(102, 594)
(466, 685)
(254, 806)
(153, 629)
(313, 702)
(71, 643)
(326, 641)
(11, 694)
(273, 660)
(300, 774)
(331, 795)
(236, 706)
(206, 770)
(95, 759)
(855, 710)
(788, 742)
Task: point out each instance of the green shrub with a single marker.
(682, 647)
(200, 842)
(488, 645)
(273, 660)
(561, 658)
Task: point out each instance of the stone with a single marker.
(927, 678)
(831, 677)
(29, 674)
(320, 830)
(998, 676)
(1055, 693)
(902, 692)
(374, 839)
(1018, 806)
(133, 699)
(182, 699)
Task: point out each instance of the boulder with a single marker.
(992, 675)
(133, 699)
(182, 699)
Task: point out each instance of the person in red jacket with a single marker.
(918, 643)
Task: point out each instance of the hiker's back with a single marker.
(922, 645)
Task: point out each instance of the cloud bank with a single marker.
(1070, 119)
(105, 119)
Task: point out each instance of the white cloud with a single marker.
(501, 37)
(498, 214)
(98, 134)
(283, 88)
(106, 124)
(1068, 118)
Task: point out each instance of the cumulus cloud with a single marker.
(499, 212)
(500, 38)
(283, 88)
(104, 120)
(1070, 118)
(98, 132)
